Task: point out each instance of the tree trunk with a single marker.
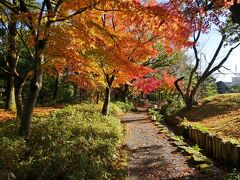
(125, 92)
(75, 92)
(98, 97)
(35, 87)
(188, 102)
(109, 81)
(105, 108)
(19, 84)
(159, 97)
(55, 91)
(12, 62)
(10, 103)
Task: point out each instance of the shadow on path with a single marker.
(151, 155)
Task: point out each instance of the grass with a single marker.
(218, 115)
(75, 142)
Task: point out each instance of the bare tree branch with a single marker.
(79, 11)
(223, 61)
(215, 55)
(178, 87)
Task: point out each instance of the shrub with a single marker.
(125, 106)
(234, 175)
(156, 113)
(76, 142)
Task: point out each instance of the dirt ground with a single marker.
(151, 154)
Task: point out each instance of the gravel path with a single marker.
(151, 155)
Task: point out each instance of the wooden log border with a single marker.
(225, 152)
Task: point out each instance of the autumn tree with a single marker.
(147, 85)
(112, 43)
(166, 66)
(14, 65)
(202, 19)
(164, 58)
(138, 24)
(119, 61)
(232, 5)
(39, 19)
(9, 62)
(145, 30)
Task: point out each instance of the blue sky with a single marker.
(208, 44)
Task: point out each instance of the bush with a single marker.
(156, 113)
(234, 175)
(125, 106)
(76, 142)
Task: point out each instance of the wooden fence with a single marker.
(225, 152)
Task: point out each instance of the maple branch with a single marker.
(139, 38)
(108, 10)
(4, 66)
(41, 14)
(9, 6)
(25, 44)
(109, 80)
(104, 20)
(161, 23)
(59, 2)
(114, 71)
(65, 18)
(221, 72)
(4, 12)
(24, 8)
(196, 38)
(39, 22)
(79, 11)
(150, 39)
(49, 6)
(113, 24)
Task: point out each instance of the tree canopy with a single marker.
(97, 44)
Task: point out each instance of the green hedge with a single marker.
(76, 142)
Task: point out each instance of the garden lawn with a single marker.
(75, 142)
(219, 115)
